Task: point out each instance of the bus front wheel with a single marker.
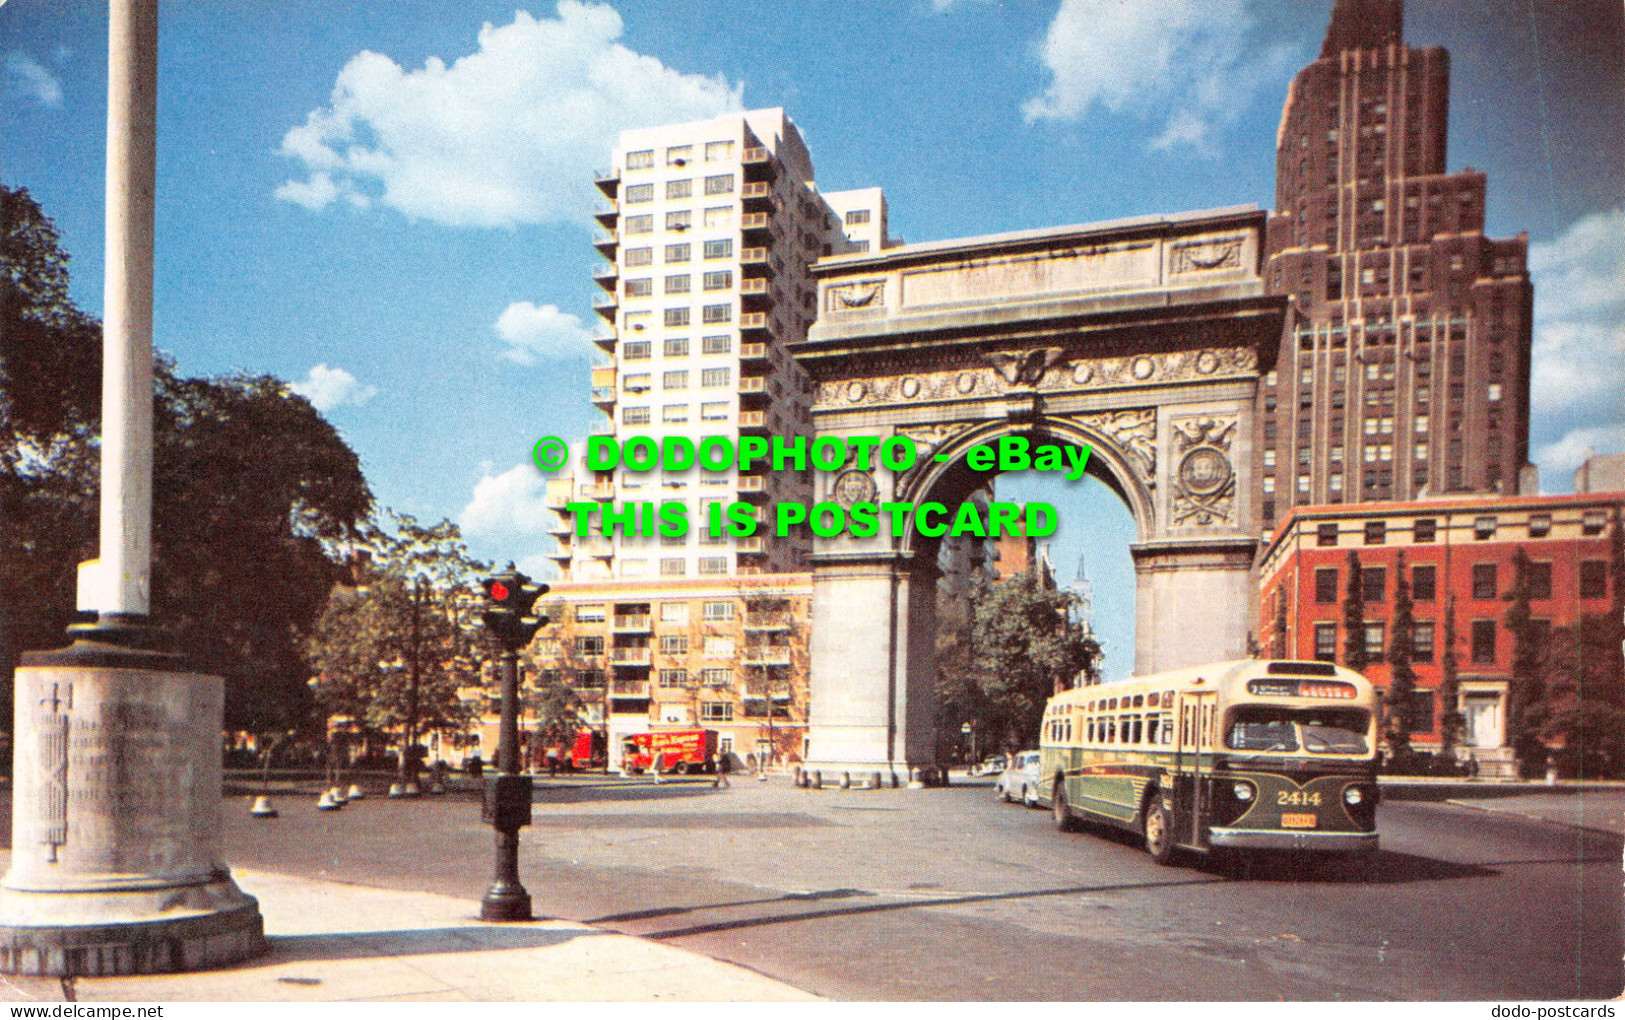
(1159, 830)
(1065, 821)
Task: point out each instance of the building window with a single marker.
(677, 284)
(1373, 640)
(1594, 579)
(674, 612)
(722, 678)
(714, 410)
(676, 317)
(713, 565)
(1269, 458)
(717, 711)
(857, 217)
(717, 152)
(679, 189)
(679, 219)
(1484, 581)
(675, 380)
(1424, 582)
(1422, 641)
(644, 224)
(673, 566)
(635, 416)
(1493, 392)
(1593, 522)
(643, 159)
(590, 614)
(637, 194)
(713, 314)
(1326, 585)
(673, 678)
(1326, 642)
(1421, 712)
(718, 611)
(636, 350)
(860, 246)
(716, 344)
(1373, 584)
(719, 647)
(719, 216)
(722, 279)
(1483, 650)
(1425, 529)
(639, 257)
(590, 645)
(676, 347)
(715, 378)
(1483, 528)
(1540, 525)
(674, 644)
(642, 287)
(1376, 532)
(674, 414)
(1539, 576)
(679, 155)
(679, 252)
(1269, 483)
(719, 249)
(1326, 535)
(719, 184)
(638, 382)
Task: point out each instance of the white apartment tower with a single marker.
(708, 229)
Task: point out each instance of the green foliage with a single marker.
(1354, 617)
(1525, 686)
(1450, 718)
(1399, 697)
(1024, 648)
(392, 650)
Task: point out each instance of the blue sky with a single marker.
(388, 202)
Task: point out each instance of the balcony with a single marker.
(599, 548)
(605, 339)
(775, 655)
(605, 305)
(607, 276)
(754, 289)
(607, 243)
(756, 223)
(755, 322)
(630, 688)
(607, 216)
(757, 195)
(562, 554)
(753, 352)
(604, 397)
(759, 163)
(768, 621)
(752, 485)
(753, 422)
(608, 181)
(630, 657)
(755, 259)
(752, 386)
(749, 546)
(599, 490)
(634, 623)
(561, 526)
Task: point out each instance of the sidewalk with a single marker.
(1596, 810)
(332, 942)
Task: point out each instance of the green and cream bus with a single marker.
(1249, 755)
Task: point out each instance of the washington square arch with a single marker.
(1144, 339)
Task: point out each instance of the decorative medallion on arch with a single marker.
(1204, 476)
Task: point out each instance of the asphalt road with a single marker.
(944, 894)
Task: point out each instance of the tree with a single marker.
(1025, 648)
(1401, 694)
(1450, 718)
(1354, 656)
(1526, 711)
(393, 650)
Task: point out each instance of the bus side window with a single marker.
(1151, 729)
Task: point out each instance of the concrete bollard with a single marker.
(798, 777)
(411, 790)
(397, 790)
(846, 780)
(338, 796)
(874, 781)
(895, 781)
(326, 802)
(817, 780)
(262, 808)
(355, 793)
(916, 779)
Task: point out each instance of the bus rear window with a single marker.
(1266, 728)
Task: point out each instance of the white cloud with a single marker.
(542, 332)
(30, 78)
(510, 505)
(1577, 382)
(1191, 63)
(503, 136)
(327, 388)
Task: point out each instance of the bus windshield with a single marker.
(1318, 731)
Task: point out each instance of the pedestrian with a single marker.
(552, 762)
(719, 766)
(658, 765)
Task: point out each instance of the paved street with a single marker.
(944, 894)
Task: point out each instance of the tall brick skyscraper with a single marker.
(1408, 373)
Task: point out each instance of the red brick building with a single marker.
(1458, 557)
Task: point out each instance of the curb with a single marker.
(1471, 806)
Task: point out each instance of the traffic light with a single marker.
(511, 596)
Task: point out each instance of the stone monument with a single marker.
(116, 783)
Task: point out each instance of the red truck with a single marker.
(680, 751)
(585, 750)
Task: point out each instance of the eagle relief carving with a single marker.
(1023, 368)
(1134, 432)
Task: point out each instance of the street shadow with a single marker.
(646, 915)
(789, 917)
(681, 820)
(364, 945)
(571, 794)
(1385, 867)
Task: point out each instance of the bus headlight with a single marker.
(1242, 792)
(1353, 796)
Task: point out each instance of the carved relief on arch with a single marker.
(1204, 475)
(1134, 432)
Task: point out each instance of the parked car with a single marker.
(1020, 780)
(989, 765)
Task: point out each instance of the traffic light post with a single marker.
(510, 595)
